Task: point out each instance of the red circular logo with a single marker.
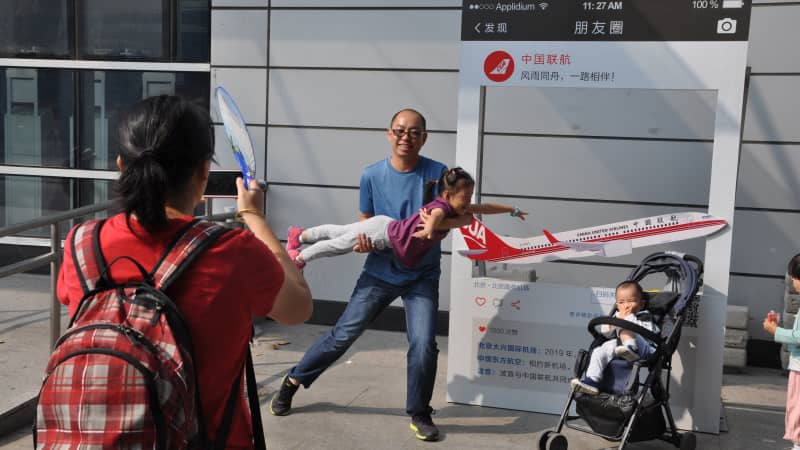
(498, 66)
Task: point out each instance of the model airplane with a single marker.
(614, 239)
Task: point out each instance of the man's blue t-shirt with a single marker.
(385, 191)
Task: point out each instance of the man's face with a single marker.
(406, 135)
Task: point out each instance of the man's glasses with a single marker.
(412, 133)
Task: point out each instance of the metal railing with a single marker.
(53, 257)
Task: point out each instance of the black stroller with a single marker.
(627, 409)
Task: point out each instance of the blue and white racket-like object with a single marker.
(238, 137)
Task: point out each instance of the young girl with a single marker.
(410, 238)
(791, 337)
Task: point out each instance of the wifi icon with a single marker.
(543, 5)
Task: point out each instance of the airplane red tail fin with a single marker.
(550, 237)
(483, 244)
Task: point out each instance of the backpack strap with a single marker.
(259, 441)
(188, 244)
(86, 256)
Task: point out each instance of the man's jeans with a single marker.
(369, 298)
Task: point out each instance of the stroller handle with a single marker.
(624, 324)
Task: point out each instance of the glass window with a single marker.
(122, 30)
(36, 106)
(193, 37)
(44, 126)
(106, 95)
(24, 198)
(35, 28)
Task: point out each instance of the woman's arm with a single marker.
(293, 304)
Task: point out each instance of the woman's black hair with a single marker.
(794, 267)
(163, 141)
(450, 180)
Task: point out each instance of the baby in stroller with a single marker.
(609, 396)
(621, 343)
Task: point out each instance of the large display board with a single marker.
(512, 344)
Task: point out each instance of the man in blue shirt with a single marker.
(392, 187)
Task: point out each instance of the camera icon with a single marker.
(726, 26)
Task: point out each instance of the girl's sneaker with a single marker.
(293, 238)
(294, 253)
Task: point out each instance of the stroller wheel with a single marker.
(543, 440)
(556, 441)
(688, 441)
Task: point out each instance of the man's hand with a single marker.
(364, 244)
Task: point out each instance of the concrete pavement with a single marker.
(359, 402)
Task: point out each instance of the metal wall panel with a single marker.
(769, 177)
(338, 157)
(368, 99)
(248, 89)
(239, 3)
(763, 241)
(242, 37)
(772, 107)
(366, 38)
(773, 38)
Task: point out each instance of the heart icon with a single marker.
(480, 301)
(481, 328)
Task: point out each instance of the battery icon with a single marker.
(732, 3)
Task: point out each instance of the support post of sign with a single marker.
(469, 156)
(721, 203)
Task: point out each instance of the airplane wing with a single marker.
(608, 248)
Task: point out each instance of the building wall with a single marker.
(318, 81)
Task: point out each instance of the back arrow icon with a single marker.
(476, 28)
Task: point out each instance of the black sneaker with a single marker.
(281, 402)
(423, 427)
